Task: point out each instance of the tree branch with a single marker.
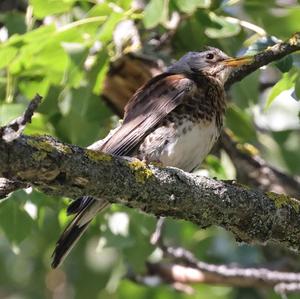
(67, 170)
(256, 172)
(265, 57)
(181, 269)
(183, 275)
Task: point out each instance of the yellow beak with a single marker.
(236, 62)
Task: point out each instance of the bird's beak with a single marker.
(238, 61)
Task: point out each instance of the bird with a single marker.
(175, 119)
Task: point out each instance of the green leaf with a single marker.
(281, 25)
(297, 87)
(215, 167)
(106, 31)
(190, 34)
(53, 57)
(246, 92)
(155, 12)
(7, 54)
(39, 35)
(240, 123)
(125, 4)
(76, 104)
(43, 8)
(14, 220)
(223, 28)
(101, 9)
(15, 22)
(189, 6)
(97, 75)
(74, 75)
(285, 64)
(51, 60)
(39, 125)
(30, 87)
(9, 112)
(287, 81)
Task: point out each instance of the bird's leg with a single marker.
(130, 159)
(144, 160)
(156, 238)
(148, 162)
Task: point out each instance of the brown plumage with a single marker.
(174, 119)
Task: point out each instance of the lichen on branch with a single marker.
(67, 170)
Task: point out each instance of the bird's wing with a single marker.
(150, 104)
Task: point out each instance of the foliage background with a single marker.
(62, 49)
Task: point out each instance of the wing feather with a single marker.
(146, 109)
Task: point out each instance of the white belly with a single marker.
(187, 151)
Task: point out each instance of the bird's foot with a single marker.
(144, 161)
(130, 159)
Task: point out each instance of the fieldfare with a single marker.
(174, 119)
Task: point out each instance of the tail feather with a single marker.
(76, 206)
(85, 214)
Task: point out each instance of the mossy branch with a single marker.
(67, 170)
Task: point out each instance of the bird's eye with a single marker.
(210, 56)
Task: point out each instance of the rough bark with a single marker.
(67, 170)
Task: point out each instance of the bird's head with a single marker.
(211, 62)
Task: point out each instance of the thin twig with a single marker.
(15, 128)
(157, 234)
(271, 54)
(181, 268)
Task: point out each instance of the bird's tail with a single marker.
(85, 208)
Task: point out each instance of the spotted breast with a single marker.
(185, 137)
(180, 145)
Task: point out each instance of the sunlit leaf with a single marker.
(74, 75)
(223, 27)
(155, 12)
(100, 9)
(6, 55)
(42, 8)
(9, 112)
(99, 71)
(189, 6)
(39, 125)
(287, 81)
(106, 31)
(215, 167)
(31, 87)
